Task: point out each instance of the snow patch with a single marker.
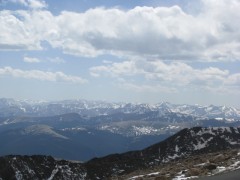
(219, 169)
(183, 177)
(145, 175)
(176, 148)
(54, 172)
(18, 175)
(201, 145)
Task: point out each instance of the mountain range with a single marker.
(81, 130)
(11, 107)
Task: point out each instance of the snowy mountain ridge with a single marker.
(11, 107)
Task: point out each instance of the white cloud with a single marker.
(107, 62)
(116, 69)
(25, 29)
(161, 32)
(147, 88)
(34, 4)
(31, 60)
(41, 75)
(56, 60)
(169, 76)
(233, 80)
(158, 70)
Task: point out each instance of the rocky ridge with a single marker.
(186, 148)
(11, 107)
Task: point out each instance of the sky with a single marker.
(147, 51)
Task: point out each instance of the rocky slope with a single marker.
(185, 143)
(39, 167)
(187, 147)
(195, 166)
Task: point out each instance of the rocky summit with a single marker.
(186, 144)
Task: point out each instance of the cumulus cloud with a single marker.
(24, 30)
(169, 76)
(157, 70)
(160, 32)
(41, 75)
(31, 60)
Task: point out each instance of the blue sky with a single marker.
(123, 50)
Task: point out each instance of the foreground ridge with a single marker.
(185, 145)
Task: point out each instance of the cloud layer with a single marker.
(31, 60)
(168, 76)
(161, 32)
(40, 75)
